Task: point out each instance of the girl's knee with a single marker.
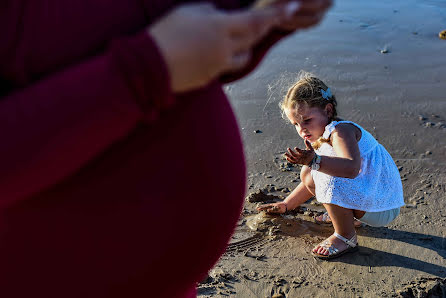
(358, 214)
(306, 178)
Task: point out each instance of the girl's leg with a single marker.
(323, 218)
(358, 213)
(307, 180)
(342, 219)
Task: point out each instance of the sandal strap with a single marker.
(326, 217)
(329, 246)
(350, 242)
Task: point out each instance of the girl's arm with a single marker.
(298, 196)
(347, 164)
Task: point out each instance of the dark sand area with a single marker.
(386, 65)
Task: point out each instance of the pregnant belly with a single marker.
(147, 218)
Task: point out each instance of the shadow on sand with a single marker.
(375, 258)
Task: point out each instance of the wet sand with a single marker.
(387, 67)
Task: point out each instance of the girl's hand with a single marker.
(275, 208)
(200, 42)
(301, 156)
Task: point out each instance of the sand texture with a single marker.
(386, 65)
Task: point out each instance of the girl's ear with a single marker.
(329, 110)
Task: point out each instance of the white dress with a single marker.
(376, 188)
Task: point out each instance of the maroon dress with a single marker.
(110, 184)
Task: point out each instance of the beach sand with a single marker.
(386, 65)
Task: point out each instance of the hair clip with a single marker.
(326, 94)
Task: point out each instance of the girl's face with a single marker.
(309, 122)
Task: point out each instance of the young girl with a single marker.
(347, 170)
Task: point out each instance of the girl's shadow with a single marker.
(375, 258)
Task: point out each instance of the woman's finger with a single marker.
(249, 26)
(251, 23)
(302, 22)
(315, 5)
(238, 61)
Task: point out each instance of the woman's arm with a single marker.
(52, 128)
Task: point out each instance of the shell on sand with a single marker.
(442, 34)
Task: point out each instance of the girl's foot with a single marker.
(324, 219)
(335, 246)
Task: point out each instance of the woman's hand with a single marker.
(274, 208)
(200, 42)
(310, 13)
(301, 156)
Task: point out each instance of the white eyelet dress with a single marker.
(376, 188)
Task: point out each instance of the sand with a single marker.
(386, 64)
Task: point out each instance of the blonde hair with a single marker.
(307, 92)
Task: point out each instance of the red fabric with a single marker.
(110, 185)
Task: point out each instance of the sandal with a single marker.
(326, 220)
(333, 252)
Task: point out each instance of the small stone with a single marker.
(429, 124)
(428, 152)
(400, 169)
(257, 131)
(384, 51)
(442, 34)
(421, 118)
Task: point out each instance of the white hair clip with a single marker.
(326, 94)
